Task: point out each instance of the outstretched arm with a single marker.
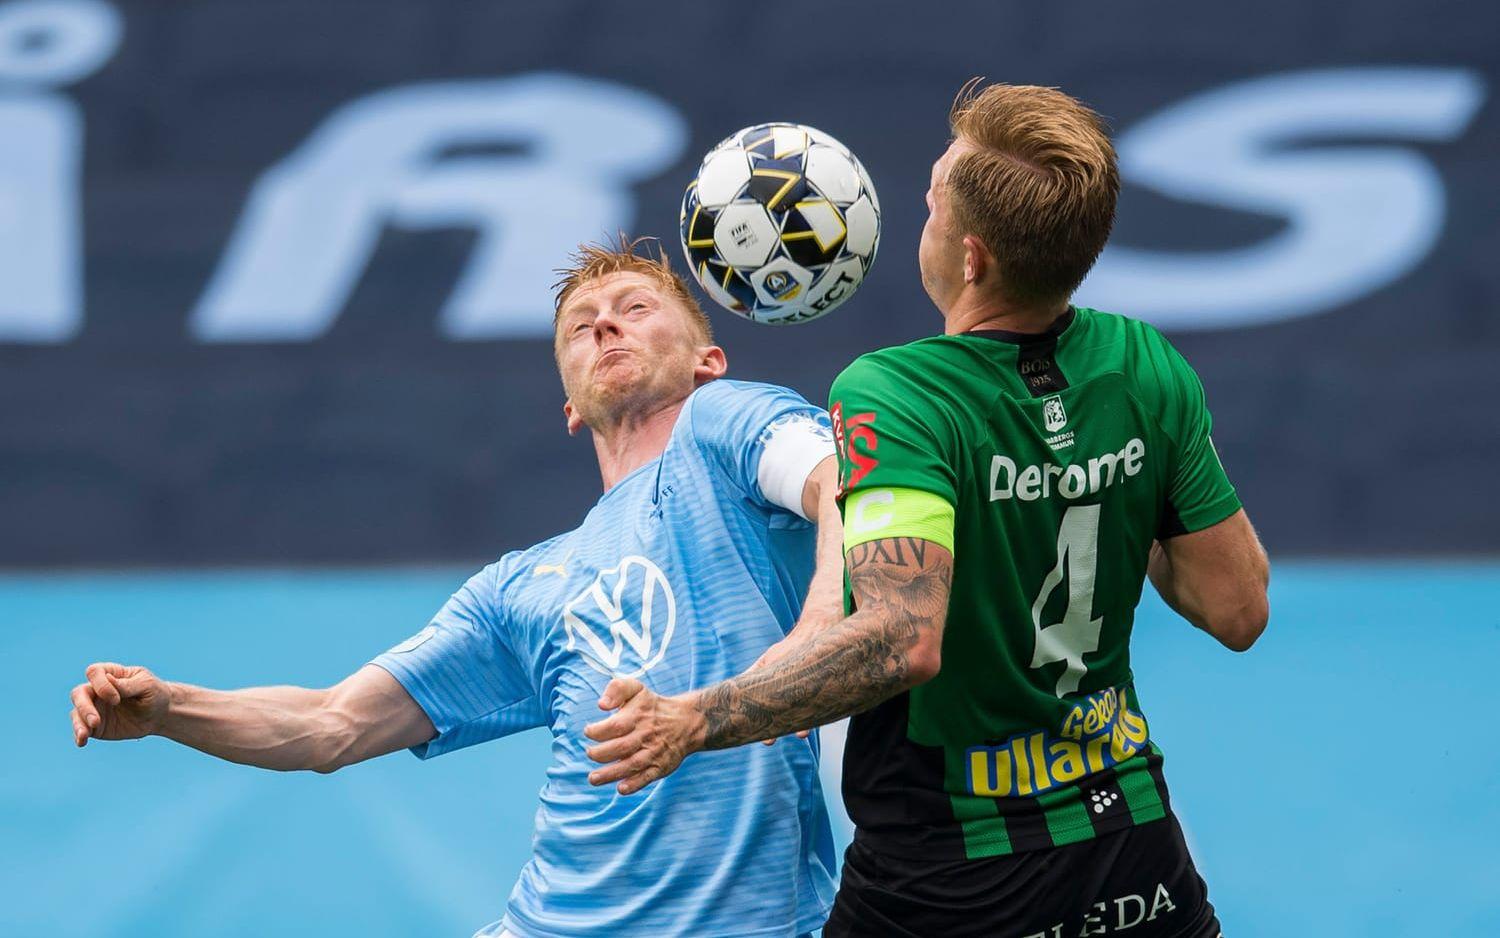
(284, 728)
(892, 642)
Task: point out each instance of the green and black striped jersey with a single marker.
(1063, 455)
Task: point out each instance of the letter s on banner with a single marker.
(1360, 216)
(313, 220)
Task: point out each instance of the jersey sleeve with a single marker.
(895, 448)
(1199, 493)
(765, 439)
(463, 672)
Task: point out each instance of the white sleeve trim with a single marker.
(791, 448)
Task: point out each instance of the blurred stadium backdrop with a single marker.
(275, 376)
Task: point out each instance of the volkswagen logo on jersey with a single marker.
(621, 624)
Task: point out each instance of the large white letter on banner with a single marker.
(1359, 215)
(562, 154)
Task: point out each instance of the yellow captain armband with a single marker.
(872, 514)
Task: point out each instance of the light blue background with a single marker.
(1342, 779)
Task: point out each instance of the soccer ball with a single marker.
(781, 224)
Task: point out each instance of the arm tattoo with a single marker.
(900, 588)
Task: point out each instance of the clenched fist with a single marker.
(118, 702)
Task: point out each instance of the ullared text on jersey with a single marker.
(1099, 732)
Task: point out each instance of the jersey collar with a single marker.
(1050, 334)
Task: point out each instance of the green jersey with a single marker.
(1063, 455)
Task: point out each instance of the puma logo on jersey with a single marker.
(1029, 483)
(560, 568)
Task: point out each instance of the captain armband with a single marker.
(791, 448)
(873, 514)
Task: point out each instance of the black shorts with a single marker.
(1138, 882)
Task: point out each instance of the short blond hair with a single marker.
(1039, 188)
(627, 255)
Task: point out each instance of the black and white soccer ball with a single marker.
(781, 223)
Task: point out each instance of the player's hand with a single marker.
(118, 702)
(646, 739)
(772, 655)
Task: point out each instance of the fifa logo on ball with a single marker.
(743, 235)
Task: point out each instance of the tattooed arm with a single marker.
(824, 602)
(893, 641)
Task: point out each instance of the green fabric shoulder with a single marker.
(1156, 373)
(1200, 493)
(898, 396)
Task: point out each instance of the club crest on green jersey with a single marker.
(1054, 416)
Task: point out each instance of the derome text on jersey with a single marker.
(1031, 482)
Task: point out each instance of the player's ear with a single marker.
(977, 260)
(575, 423)
(711, 365)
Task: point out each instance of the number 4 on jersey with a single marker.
(1078, 632)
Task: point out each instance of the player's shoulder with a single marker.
(727, 410)
(908, 356)
(902, 363)
(1139, 350)
(540, 549)
(1153, 371)
(516, 565)
(731, 392)
(1102, 327)
(915, 375)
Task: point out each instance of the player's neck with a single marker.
(973, 312)
(635, 440)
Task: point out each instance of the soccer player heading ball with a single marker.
(691, 565)
(1007, 487)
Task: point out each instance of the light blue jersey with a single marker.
(682, 575)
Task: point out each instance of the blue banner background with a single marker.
(198, 402)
